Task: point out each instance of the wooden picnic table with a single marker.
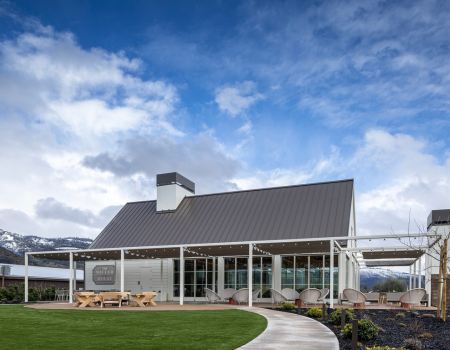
(85, 299)
(143, 299)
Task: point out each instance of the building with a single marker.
(292, 236)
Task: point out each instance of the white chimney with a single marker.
(171, 188)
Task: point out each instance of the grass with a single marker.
(26, 328)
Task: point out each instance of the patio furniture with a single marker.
(373, 297)
(240, 296)
(227, 293)
(277, 296)
(110, 298)
(255, 294)
(144, 299)
(85, 299)
(60, 295)
(355, 297)
(343, 298)
(412, 297)
(212, 296)
(323, 294)
(425, 300)
(393, 297)
(309, 296)
(290, 294)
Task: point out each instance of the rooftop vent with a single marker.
(438, 217)
(171, 189)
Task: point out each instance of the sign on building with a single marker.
(104, 274)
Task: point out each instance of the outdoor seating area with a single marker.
(102, 299)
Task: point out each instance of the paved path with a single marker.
(290, 331)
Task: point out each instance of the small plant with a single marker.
(373, 314)
(359, 345)
(351, 309)
(287, 306)
(314, 312)
(427, 316)
(335, 316)
(426, 335)
(385, 348)
(381, 329)
(401, 325)
(413, 344)
(366, 330)
(389, 319)
(413, 311)
(400, 315)
(337, 327)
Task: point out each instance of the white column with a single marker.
(214, 275)
(250, 274)
(331, 271)
(415, 275)
(26, 277)
(420, 272)
(309, 268)
(75, 275)
(122, 270)
(323, 271)
(410, 279)
(181, 275)
(71, 277)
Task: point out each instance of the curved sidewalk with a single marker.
(290, 331)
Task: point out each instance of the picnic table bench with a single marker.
(144, 299)
(85, 299)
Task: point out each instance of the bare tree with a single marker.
(435, 247)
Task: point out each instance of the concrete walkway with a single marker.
(290, 331)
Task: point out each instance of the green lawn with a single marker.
(25, 328)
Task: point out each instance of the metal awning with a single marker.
(397, 262)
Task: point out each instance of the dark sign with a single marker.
(104, 274)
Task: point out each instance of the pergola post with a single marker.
(331, 272)
(420, 272)
(250, 274)
(214, 275)
(74, 275)
(181, 275)
(415, 275)
(122, 270)
(70, 277)
(26, 277)
(410, 279)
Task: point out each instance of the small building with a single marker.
(300, 236)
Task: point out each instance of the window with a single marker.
(198, 274)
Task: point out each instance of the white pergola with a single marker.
(193, 250)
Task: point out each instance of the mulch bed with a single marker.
(392, 334)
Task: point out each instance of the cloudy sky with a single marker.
(98, 97)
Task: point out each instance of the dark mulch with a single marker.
(393, 335)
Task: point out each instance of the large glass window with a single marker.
(287, 272)
(301, 273)
(197, 276)
(316, 272)
(262, 275)
(335, 275)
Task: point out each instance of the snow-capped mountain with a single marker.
(371, 275)
(19, 243)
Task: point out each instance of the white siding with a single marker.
(159, 282)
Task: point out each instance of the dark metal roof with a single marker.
(410, 254)
(399, 262)
(291, 212)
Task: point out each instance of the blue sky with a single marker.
(97, 97)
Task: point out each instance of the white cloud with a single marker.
(236, 99)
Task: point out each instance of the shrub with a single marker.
(351, 309)
(337, 327)
(335, 316)
(399, 315)
(366, 330)
(390, 319)
(287, 306)
(427, 316)
(359, 345)
(413, 344)
(314, 312)
(373, 314)
(426, 335)
(389, 285)
(401, 325)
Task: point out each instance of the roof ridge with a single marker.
(255, 189)
(271, 188)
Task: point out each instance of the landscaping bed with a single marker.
(394, 329)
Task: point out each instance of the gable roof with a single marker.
(291, 212)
